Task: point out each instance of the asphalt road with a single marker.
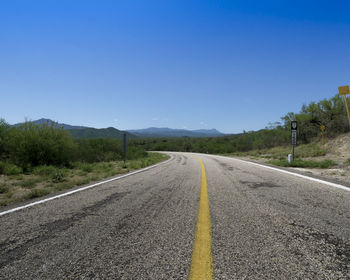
(264, 225)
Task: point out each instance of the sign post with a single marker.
(344, 90)
(294, 127)
(124, 149)
(323, 128)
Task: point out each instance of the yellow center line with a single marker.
(202, 259)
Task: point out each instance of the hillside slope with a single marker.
(339, 147)
(109, 132)
(85, 132)
(335, 149)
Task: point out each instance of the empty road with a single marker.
(263, 224)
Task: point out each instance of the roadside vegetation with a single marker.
(303, 163)
(274, 141)
(44, 179)
(37, 160)
(304, 156)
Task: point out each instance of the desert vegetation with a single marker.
(274, 141)
(36, 160)
(328, 112)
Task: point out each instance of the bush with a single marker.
(29, 183)
(326, 163)
(4, 188)
(58, 176)
(9, 169)
(86, 167)
(310, 150)
(54, 173)
(135, 153)
(103, 167)
(37, 193)
(3, 130)
(97, 150)
(32, 145)
(45, 170)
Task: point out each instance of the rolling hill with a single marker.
(111, 132)
(86, 132)
(169, 132)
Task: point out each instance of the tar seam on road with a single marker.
(81, 189)
(202, 258)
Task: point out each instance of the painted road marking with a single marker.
(294, 174)
(282, 171)
(202, 258)
(82, 189)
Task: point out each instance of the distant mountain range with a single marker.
(86, 132)
(169, 132)
(111, 132)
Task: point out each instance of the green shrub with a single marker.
(133, 165)
(103, 167)
(63, 186)
(29, 183)
(144, 162)
(32, 145)
(82, 173)
(310, 150)
(135, 153)
(326, 163)
(85, 167)
(37, 193)
(4, 188)
(54, 173)
(58, 176)
(3, 130)
(9, 169)
(45, 170)
(97, 150)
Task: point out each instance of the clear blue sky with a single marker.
(230, 65)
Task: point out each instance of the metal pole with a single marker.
(292, 153)
(124, 148)
(347, 107)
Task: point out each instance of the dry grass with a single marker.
(45, 180)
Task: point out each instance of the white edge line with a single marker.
(290, 173)
(82, 189)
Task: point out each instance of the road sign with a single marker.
(344, 90)
(323, 128)
(294, 127)
(294, 137)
